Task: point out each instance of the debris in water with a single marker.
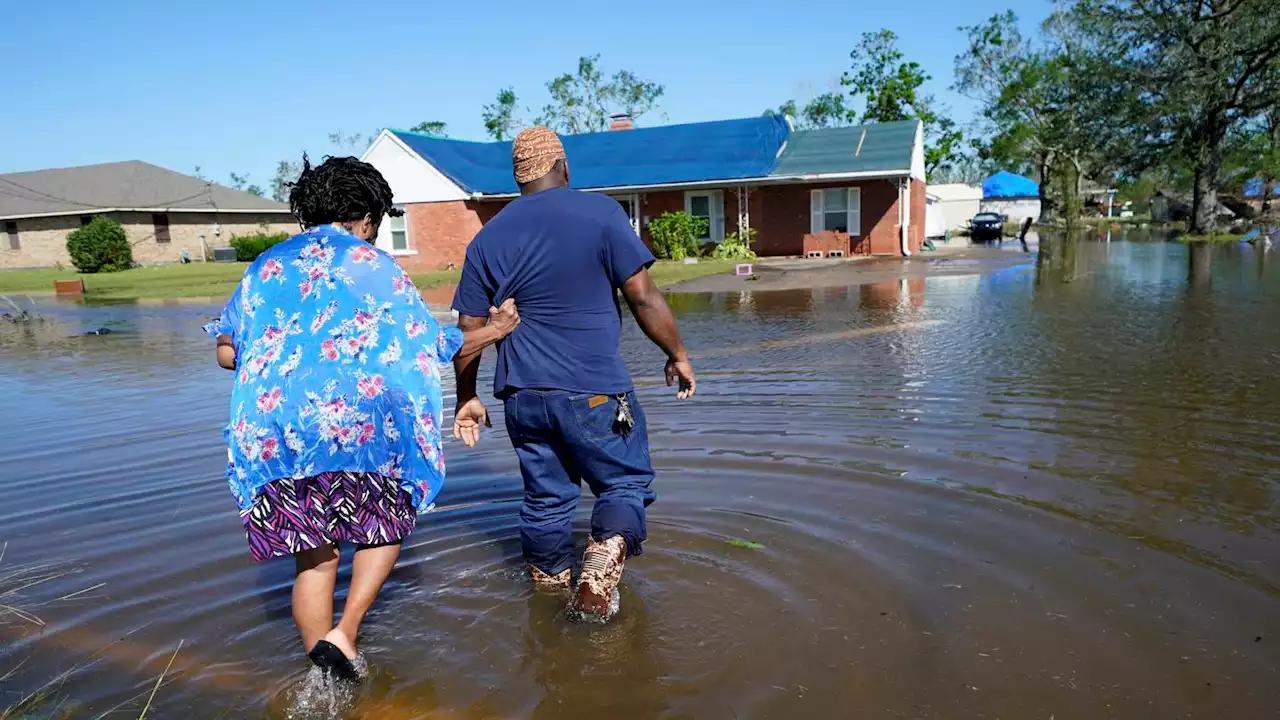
(744, 544)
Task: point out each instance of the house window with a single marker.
(11, 229)
(836, 209)
(160, 222)
(708, 205)
(399, 232)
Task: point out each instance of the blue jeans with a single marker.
(562, 439)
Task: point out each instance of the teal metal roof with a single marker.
(877, 147)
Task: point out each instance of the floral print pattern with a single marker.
(338, 368)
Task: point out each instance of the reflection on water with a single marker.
(1048, 490)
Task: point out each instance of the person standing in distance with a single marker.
(571, 410)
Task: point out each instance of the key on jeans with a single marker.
(625, 421)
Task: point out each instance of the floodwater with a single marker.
(1044, 491)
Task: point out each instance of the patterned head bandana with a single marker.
(534, 152)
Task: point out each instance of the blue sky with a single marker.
(235, 86)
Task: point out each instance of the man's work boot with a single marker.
(601, 573)
(558, 582)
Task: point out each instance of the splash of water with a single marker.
(320, 696)
(578, 616)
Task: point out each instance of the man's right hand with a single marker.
(681, 370)
(467, 421)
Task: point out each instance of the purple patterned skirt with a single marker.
(290, 516)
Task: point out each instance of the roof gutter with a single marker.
(99, 211)
(759, 180)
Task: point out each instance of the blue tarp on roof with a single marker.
(722, 150)
(1253, 188)
(1005, 184)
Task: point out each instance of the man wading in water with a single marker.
(571, 409)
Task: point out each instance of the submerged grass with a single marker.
(217, 280)
(49, 701)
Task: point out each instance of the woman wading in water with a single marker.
(335, 416)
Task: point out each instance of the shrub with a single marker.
(736, 247)
(675, 234)
(249, 247)
(100, 246)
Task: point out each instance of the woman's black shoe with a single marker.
(326, 656)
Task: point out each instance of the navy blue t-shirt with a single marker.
(562, 254)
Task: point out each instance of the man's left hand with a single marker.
(467, 421)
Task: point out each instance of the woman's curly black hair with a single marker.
(340, 190)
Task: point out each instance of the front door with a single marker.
(631, 204)
(708, 205)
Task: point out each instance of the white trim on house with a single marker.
(917, 154)
(715, 206)
(904, 203)
(412, 178)
(100, 211)
(852, 210)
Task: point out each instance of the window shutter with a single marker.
(815, 211)
(855, 212)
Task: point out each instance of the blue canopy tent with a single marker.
(1253, 188)
(1005, 184)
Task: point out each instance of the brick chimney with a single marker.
(621, 121)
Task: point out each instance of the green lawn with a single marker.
(217, 280)
(1214, 238)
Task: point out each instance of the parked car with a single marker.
(986, 226)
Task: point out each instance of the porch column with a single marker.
(744, 213)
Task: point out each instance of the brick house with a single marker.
(163, 212)
(836, 192)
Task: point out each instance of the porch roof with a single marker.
(877, 148)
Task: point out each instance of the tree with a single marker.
(786, 109)
(1204, 68)
(891, 90)
(825, 110)
(631, 95)
(241, 182)
(352, 143)
(501, 117)
(1037, 108)
(431, 127)
(582, 102)
(286, 173)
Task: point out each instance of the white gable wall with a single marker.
(412, 180)
(917, 154)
